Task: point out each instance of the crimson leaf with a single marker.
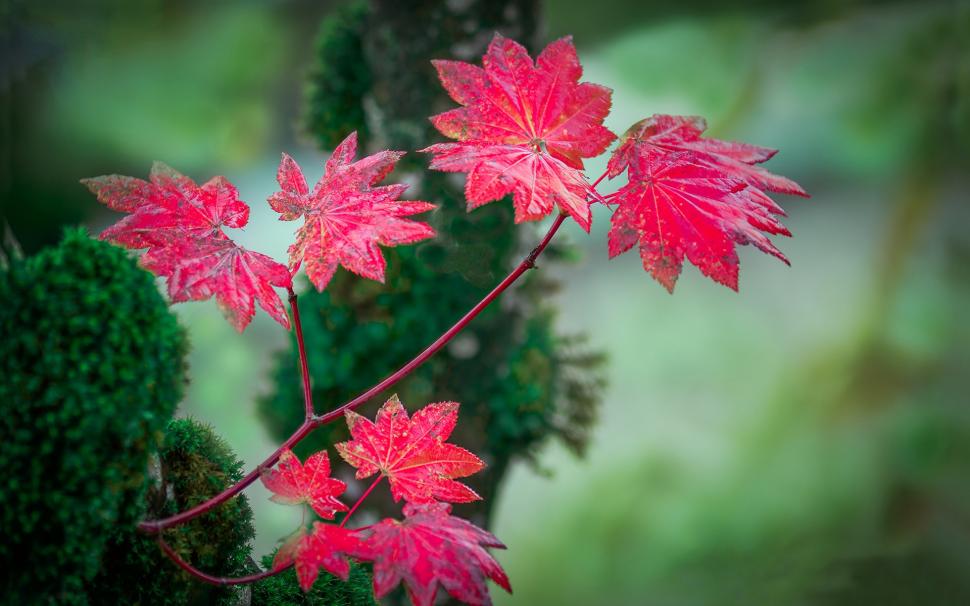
(412, 453)
(676, 206)
(293, 483)
(524, 128)
(431, 547)
(327, 547)
(346, 216)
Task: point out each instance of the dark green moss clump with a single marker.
(195, 464)
(328, 590)
(92, 367)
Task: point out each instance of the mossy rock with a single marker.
(328, 590)
(195, 464)
(93, 367)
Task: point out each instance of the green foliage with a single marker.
(550, 385)
(225, 64)
(195, 464)
(328, 590)
(401, 40)
(928, 77)
(340, 78)
(92, 367)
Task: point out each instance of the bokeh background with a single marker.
(804, 441)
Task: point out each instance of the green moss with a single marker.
(328, 590)
(92, 367)
(195, 464)
(340, 78)
(550, 385)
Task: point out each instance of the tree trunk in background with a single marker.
(518, 382)
(400, 40)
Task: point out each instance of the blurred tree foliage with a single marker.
(609, 19)
(339, 79)
(519, 382)
(115, 87)
(92, 366)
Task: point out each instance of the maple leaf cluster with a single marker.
(181, 225)
(429, 547)
(524, 128)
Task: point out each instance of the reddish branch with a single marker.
(313, 421)
(214, 580)
(526, 264)
(304, 369)
(367, 492)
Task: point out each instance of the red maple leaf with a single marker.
(346, 216)
(412, 453)
(327, 547)
(202, 267)
(293, 483)
(676, 204)
(169, 207)
(524, 128)
(431, 547)
(683, 133)
(180, 223)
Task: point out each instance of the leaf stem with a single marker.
(214, 580)
(304, 369)
(354, 507)
(529, 262)
(600, 178)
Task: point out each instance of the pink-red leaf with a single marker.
(429, 548)
(327, 547)
(676, 205)
(524, 128)
(294, 483)
(346, 216)
(202, 267)
(683, 133)
(412, 452)
(539, 182)
(181, 223)
(167, 207)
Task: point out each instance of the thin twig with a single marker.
(354, 507)
(304, 369)
(214, 580)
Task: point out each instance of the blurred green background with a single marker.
(806, 441)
